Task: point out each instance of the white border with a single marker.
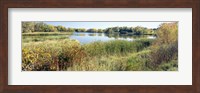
(181, 77)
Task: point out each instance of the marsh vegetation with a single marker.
(57, 48)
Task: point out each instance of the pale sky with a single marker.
(105, 24)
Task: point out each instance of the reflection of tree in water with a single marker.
(92, 34)
(79, 34)
(116, 36)
(112, 35)
(139, 36)
(100, 34)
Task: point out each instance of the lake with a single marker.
(85, 37)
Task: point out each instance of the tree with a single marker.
(70, 29)
(40, 27)
(28, 27)
(140, 30)
(100, 30)
(109, 30)
(116, 29)
(167, 33)
(80, 30)
(92, 30)
(50, 28)
(61, 28)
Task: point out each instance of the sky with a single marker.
(103, 25)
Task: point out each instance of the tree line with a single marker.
(28, 27)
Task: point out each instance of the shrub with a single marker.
(164, 53)
(169, 66)
(138, 61)
(51, 55)
(69, 56)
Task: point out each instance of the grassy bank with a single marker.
(29, 39)
(44, 36)
(46, 33)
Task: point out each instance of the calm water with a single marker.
(84, 38)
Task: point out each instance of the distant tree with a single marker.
(125, 30)
(40, 27)
(115, 29)
(100, 30)
(50, 28)
(61, 28)
(70, 29)
(92, 30)
(54, 29)
(109, 31)
(80, 30)
(83, 29)
(139, 30)
(28, 27)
